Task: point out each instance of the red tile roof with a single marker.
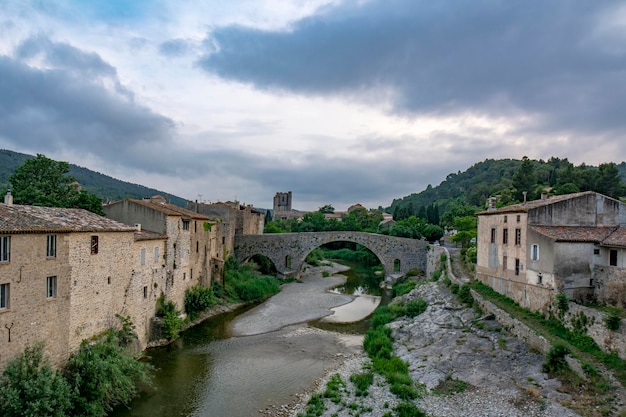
(574, 233)
(524, 207)
(16, 218)
(617, 238)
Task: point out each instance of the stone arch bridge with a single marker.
(289, 250)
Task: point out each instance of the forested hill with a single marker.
(105, 187)
(508, 178)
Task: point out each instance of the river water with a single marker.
(254, 360)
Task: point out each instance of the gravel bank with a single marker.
(448, 343)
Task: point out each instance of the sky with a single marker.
(338, 101)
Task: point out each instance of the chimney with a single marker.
(8, 198)
(138, 227)
(491, 203)
(524, 193)
(544, 196)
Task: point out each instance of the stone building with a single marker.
(191, 237)
(230, 219)
(572, 244)
(64, 274)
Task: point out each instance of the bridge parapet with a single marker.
(289, 250)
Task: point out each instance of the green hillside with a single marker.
(507, 179)
(104, 186)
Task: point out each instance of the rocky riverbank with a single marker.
(466, 365)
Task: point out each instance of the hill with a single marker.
(104, 186)
(504, 178)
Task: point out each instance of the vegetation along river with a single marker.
(259, 358)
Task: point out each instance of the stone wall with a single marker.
(32, 316)
(608, 340)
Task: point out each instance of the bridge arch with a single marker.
(288, 251)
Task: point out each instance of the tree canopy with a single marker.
(41, 181)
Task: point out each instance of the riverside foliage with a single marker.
(99, 376)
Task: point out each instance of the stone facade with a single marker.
(64, 276)
(572, 244)
(289, 250)
(230, 219)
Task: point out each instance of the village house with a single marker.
(230, 219)
(572, 244)
(191, 241)
(66, 273)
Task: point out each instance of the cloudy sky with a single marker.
(338, 101)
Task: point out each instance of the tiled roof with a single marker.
(169, 209)
(617, 238)
(148, 235)
(524, 207)
(574, 233)
(16, 218)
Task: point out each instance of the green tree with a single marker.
(104, 375)
(525, 179)
(608, 181)
(327, 209)
(41, 181)
(30, 387)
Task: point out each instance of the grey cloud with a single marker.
(489, 57)
(174, 48)
(64, 108)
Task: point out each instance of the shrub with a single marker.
(454, 288)
(103, 375)
(198, 299)
(126, 334)
(382, 316)
(402, 287)
(362, 382)
(465, 296)
(171, 325)
(377, 343)
(561, 303)
(407, 409)
(612, 322)
(30, 387)
(555, 359)
(415, 307)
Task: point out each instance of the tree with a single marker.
(525, 179)
(41, 181)
(327, 209)
(608, 181)
(30, 387)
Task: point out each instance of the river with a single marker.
(257, 359)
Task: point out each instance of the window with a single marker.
(197, 247)
(534, 252)
(519, 218)
(143, 256)
(506, 219)
(145, 292)
(94, 245)
(396, 265)
(505, 236)
(4, 296)
(504, 259)
(596, 251)
(518, 236)
(493, 235)
(51, 287)
(195, 226)
(184, 276)
(5, 248)
(51, 246)
(613, 257)
(191, 273)
(223, 240)
(540, 278)
(185, 224)
(517, 266)
(156, 254)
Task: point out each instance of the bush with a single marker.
(198, 299)
(465, 296)
(362, 382)
(555, 359)
(408, 410)
(30, 387)
(103, 375)
(415, 307)
(402, 287)
(382, 316)
(612, 322)
(378, 343)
